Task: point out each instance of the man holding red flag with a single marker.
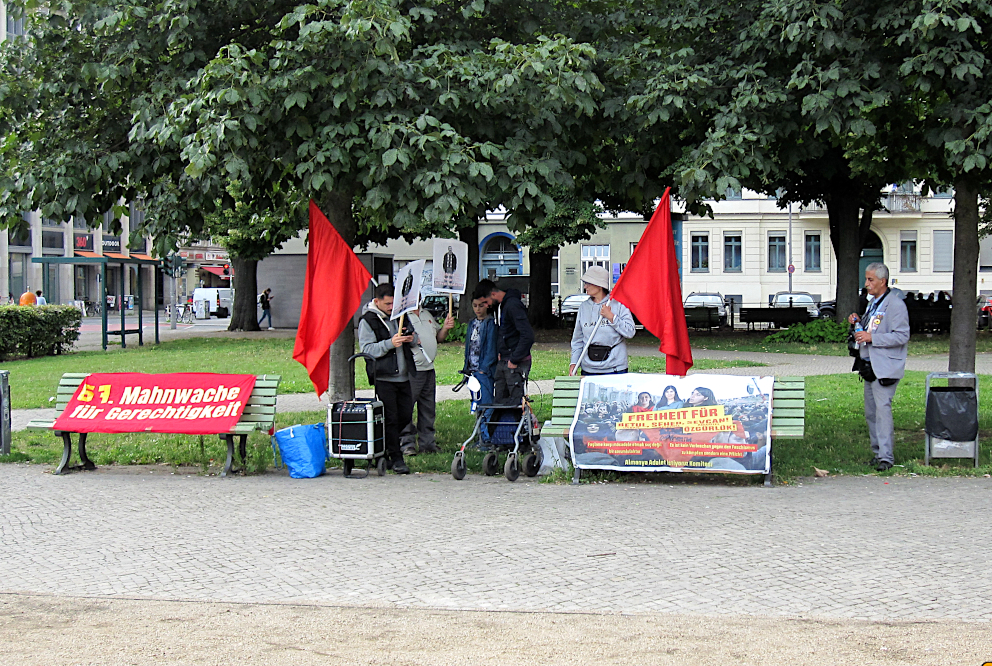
(650, 287)
(327, 309)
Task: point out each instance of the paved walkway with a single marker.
(862, 547)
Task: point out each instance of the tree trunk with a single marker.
(470, 236)
(244, 317)
(341, 380)
(962, 344)
(539, 305)
(848, 230)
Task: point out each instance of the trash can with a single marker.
(951, 424)
(201, 309)
(4, 412)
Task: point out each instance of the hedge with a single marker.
(29, 331)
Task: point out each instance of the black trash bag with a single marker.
(952, 413)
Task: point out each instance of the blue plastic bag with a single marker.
(303, 449)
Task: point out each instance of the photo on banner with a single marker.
(450, 266)
(406, 293)
(667, 423)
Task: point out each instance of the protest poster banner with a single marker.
(450, 266)
(668, 423)
(191, 403)
(406, 293)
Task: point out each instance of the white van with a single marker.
(221, 300)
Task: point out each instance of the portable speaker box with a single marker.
(356, 429)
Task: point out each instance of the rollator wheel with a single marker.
(532, 465)
(490, 464)
(348, 466)
(511, 470)
(458, 467)
(380, 467)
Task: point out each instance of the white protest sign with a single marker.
(450, 266)
(406, 293)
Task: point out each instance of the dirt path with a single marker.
(59, 630)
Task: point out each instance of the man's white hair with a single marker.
(880, 270)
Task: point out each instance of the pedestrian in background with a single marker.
(423, 382)
(265, 300)
(40, 299)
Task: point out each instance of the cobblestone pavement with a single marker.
(864, 547)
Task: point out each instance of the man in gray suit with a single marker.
(883, 345)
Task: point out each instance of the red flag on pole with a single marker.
(650, 287)
(332, 293)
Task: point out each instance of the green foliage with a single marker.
(458, 333)
(819, 330)
(31, 331)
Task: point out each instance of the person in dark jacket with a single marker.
(516, 337)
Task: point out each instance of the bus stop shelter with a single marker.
(114, 262)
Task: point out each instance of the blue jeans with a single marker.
(265, 313)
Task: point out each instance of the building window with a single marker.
(907, 251)
(943, 251)
(19, 238)
(777, 261)
(732, 251)
(595, 255)
(53, 240)
(812, 253)
(15, 27)
(734, 194)
(700, 248)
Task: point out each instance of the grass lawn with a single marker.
(33, 381)
(836, 440)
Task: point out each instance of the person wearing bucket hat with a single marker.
(607, 352)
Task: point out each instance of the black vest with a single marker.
(388, 365)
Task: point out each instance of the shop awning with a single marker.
(216, 270)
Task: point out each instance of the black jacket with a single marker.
(516, 337)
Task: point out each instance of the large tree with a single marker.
(945, 66)
(774, 96)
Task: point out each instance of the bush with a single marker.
(29, 331)
(820, 330)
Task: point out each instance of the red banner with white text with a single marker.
(190, 403)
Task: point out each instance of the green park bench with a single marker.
(788, 411)
(776, 317)
(702, 317)
(259, 414)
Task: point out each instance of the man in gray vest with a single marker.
(883, 341)
(379, 336)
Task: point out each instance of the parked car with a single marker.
(984, 311)
(437, 305)
(828, 309)
(708, 300)
(796, 299)
(570, 307)
(221, 300)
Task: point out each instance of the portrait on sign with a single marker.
(450, 266)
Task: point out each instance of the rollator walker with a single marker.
(499, 429)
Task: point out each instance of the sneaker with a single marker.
(399, 467)
(408, 451)
(270, 329)
(883, 466)
(430, 449)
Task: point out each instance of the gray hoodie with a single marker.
(379, 348)
(609, 334)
